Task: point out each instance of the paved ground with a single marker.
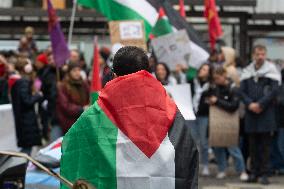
(232, 181)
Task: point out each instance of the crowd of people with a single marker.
(46, 101)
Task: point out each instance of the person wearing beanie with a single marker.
(72, 97)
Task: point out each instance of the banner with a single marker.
(181, 94)
(8, 139)
(128, 33)
(173, 49)
(223, 128)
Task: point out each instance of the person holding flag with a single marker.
(133, 136)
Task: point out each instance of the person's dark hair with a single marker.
(206, 64)
(129, 60)
(259, 47)
(166, 68)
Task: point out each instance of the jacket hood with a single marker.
(230, 56)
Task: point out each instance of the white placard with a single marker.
(131, 30)
(173, 49)
(8, 139)
(181, 94)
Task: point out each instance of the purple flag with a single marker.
(59, 47)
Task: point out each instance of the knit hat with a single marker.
(42, 58)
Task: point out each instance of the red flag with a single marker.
(96, 83)
(181, 8)
(214, 26)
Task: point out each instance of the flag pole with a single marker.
(72, 22)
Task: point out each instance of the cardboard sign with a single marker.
(128, 33)
(181, 94)
(223, 128)
(57, 4)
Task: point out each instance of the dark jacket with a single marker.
(4, 91)
(280, 104)
(47, 75)
(228, 98)
(68, 107)
(264, 92)
(23, 102)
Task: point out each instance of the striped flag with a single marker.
(126, 10)
(133, 137)
(162, 25)
(96, 83)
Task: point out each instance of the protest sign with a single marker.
(223, 128)
(7, 128)
(175, 48)
(128, 33)
(181, 94)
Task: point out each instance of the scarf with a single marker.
(267, 70)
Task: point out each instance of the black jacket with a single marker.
(228, 98)
(23, 102)
(264, 92)
(4, 91)
(47, 75)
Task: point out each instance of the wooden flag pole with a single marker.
(72, 22)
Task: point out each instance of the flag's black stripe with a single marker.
(180, 23)
(186, 154)
(155, 3)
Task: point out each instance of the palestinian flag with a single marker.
(133, 137)
(162, 25)
(126, 10)
(199, 51)
(96, 83)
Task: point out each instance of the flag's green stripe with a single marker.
(115, 11)
(162, 27)
(89, 150)
(94, 97)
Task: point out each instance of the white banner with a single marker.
(181, 94)
(8, 139)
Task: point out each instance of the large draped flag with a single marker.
(59, 47)
(133, 137)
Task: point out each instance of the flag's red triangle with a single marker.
(140, 107)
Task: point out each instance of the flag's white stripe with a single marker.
(143, 8)
(136, 171)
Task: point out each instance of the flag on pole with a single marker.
(181, 8)
(199, 52)
(214, 26)
(96, 83)
(59, 47)
(126, 10)
(133, 137)
(162, 25)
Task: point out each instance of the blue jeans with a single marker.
(235, 152)
(199, 133)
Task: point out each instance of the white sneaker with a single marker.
(205, 172)
(244, 177)
(221, 175)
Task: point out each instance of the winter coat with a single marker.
(69, 107)
(263, 91)
(227, 96)
(47, 75)
(23, 103)
(4, 91)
